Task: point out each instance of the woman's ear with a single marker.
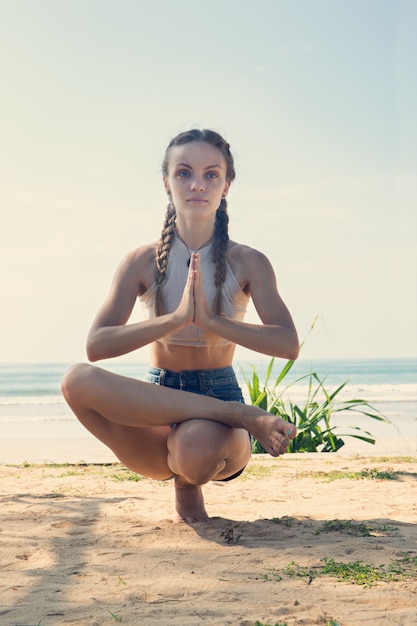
(226, 188)
(167, 189)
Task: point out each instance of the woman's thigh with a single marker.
(142, 450)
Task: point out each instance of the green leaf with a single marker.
(287, 367)
(312, 417)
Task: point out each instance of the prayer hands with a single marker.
(193, 306)
(201, 310)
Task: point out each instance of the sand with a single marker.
(89, 545)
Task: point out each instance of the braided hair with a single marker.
(221, 227)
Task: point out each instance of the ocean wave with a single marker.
(31, 419)
(370, 393)
(32, 400)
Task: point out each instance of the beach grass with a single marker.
(357, 528)
(364, 474)
(355, 572)
(352, 527)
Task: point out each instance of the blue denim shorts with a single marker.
(218, 383)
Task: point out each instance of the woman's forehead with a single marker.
(197, 154)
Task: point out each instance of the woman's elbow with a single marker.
(292, 347)
(289, 351)
(93, 349)
(294, 351)
(92, 354)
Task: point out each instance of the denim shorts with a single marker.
(218, 383)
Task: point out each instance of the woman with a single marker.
(192, 424)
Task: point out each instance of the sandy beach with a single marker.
(93, 544)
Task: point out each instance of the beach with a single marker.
(318, 538)
(86, 542)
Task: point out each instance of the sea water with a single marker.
(32, 407)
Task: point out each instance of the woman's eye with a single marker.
(183, 174)
(212, 175)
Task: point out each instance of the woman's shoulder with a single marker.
(244, 254)
(138, 265)
(143, 255)
(247, 263)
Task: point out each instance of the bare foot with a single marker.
(189, 502)
(272, 432)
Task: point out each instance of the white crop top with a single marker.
(235, 301)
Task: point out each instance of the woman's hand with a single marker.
(202, 314)
(185, 312)
(193, 306)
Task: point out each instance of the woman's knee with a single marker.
(193, 453)
(195, 469)
(74, 379)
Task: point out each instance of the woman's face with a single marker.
(196, 180)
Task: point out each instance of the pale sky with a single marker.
(317, 99)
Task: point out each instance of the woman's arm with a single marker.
(110, 335)
(276, 336)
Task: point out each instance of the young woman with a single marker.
(191, 423)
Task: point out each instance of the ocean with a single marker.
(32, 407)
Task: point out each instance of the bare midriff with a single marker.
(180, 358)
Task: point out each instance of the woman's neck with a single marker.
(194, 237)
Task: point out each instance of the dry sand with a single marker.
(87, 545)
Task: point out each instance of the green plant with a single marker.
(229, 535)
(315, 433)
(365, 474)
(287, 520)
(258, 623)
(127, 475)
(293, 569)
(362, 529)
(349, 527)
(368, 574)
(357, 572)
(115, 616)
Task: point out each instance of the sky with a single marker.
(317, 99)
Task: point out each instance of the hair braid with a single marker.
(163, 248)
(220, 244)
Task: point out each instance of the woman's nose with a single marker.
(197, 184)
